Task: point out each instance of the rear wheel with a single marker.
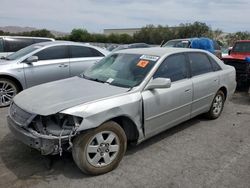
(100, 150)
(8, 89)
(217, 105)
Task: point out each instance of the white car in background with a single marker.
(10, 44)
(44, 62)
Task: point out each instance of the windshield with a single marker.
(243, 47)
(123, 70)
(23, 52)
(177, 44)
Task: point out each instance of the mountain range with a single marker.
(18, 29)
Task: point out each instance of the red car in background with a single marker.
(239, 57)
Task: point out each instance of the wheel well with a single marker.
(224, 90)
(19, 85)
(129, 128)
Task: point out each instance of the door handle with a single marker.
(187, 90)
(63, 65)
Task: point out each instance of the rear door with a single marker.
(205, 82)
(52, 64)
(164, 108)
(81, 58)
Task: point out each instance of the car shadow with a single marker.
(163, 135)
(27, 163)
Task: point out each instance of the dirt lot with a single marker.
(197, 153)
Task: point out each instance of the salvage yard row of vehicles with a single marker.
(127, 97)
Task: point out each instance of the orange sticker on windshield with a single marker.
(142, 63)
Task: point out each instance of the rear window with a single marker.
(242, 47)
(15, 44)
(200, 63)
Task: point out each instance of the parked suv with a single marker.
(44, 62)
(10, 44)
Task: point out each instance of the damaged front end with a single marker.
(49, 134)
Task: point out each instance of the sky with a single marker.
(96, 15)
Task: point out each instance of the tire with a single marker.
(8, 90)
(100, 150)
(216, 106)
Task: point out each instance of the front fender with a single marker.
(97, 112)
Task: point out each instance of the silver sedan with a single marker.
(129, 96)
(44, 62)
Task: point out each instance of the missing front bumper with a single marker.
(47, 144)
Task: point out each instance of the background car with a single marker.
(128, 97)
(133, 45)
(10, 44)
(44, 62)
(239, 57)
(197, 43)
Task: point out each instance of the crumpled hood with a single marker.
(54, 97)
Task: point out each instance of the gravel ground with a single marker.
(197, 153)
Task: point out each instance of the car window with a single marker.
(23, 52)
(41, 40)
(82, 51)
(216, 45)
(55, 52)
(1, 45)
(200, 63)
(215, 65)
(241, 47)
(174, 67)
(15, 44)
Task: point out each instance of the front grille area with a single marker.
(19, 115)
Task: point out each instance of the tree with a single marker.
(232, 37)
(79, 35)
(38, 33)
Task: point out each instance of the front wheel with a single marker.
(100, 150)
(8, 90)
(217, 105)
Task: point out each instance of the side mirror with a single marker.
(159, 83)
(31, 59)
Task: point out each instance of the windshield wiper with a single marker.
(93, 79)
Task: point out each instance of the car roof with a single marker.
(158, 51)
(55, 43)
(26, 37)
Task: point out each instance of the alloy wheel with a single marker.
(103, 149)
(7, 92)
